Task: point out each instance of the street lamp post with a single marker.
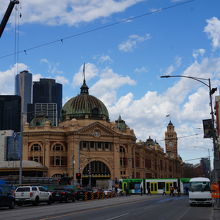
(207, 82)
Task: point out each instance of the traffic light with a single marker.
(78, 176)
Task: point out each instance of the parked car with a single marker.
(63, 193)
(7, 198)
(32, 194)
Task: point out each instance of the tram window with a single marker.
(155, 187)
(161, 185)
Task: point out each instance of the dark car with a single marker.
(63, 194)
(7, 198)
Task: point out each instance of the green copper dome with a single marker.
(84, 106)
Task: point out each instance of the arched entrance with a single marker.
(96, 173)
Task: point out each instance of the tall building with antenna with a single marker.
(23, 88)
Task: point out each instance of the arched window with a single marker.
(35, 147)
(96, 167)
(122, 150)
(57, 147)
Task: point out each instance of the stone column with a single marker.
(116, 156)
(70, 157)
(46, 150)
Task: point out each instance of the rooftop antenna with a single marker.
(84, 75)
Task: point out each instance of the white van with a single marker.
(200, 191)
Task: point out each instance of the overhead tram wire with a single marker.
(182, 137)
(99, 28)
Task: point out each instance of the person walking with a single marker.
(141, 190)
(178, 191)
(126, 191)
(164, 191)
(148, 191)
(171, 191)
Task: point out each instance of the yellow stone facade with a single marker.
(74, 144)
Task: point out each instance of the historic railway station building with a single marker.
(87, 142)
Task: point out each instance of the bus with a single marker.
(200, 191)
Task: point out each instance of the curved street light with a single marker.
(207, 82)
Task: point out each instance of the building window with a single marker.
(58, 161)
(58, 147)
(122, 150)
(38, 159)
(147, 163)
(36, 147)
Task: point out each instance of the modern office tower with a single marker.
(3, 143)
(10, 112)
(23, 88)
(47, 100)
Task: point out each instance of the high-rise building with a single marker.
(23, 88)
(10, 112)
(171, 140)
(47, 100)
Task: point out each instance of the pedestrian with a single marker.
(148, 191)
(175, 191)
(141, 189)
(126, 191)
(171, 191)
(164, 191)
(178, 191)
(116, 191)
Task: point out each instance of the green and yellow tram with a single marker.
(156, 186)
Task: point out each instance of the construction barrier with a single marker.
(215, 190)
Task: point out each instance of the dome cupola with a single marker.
(84, 106)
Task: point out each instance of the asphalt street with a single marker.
(132, 207)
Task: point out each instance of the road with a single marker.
(124, 208)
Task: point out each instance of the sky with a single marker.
(126, 46)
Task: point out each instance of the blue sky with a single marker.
(124, 62)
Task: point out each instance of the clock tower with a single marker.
(171, 140)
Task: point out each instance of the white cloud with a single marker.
(36, 77)
(7, 79)
(142, 69)
(213, 31)
(90, 72)
(108, 84)
(105, 58)
(53, 68)
(62, 80)
(198, 52)
(174, 66)
(187, 102)
(70, 12)
(132, 42)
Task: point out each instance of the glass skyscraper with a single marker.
(23, 88)
(47, 100)
(10, 112)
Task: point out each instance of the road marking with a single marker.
(119, 216)
(184, 213)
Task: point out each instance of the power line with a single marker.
(99, 28)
